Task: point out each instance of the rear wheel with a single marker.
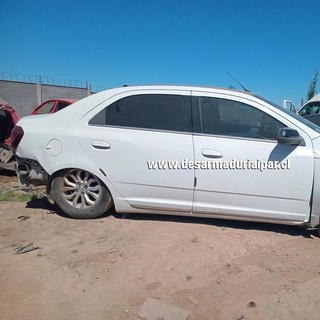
(80, 194)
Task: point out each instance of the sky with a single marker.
(271, 47)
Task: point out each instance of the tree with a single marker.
(313, 86)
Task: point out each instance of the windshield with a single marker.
(310, 108)
(293, 115)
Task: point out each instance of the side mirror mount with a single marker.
(290, 136)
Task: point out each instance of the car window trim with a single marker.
(139, 129)
(233, 137)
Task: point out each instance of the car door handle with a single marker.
(101, 145)
(213, 154)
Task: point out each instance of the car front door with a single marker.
(131, 131)
(235, 139)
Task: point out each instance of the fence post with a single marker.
(39, 93)
(88, 89)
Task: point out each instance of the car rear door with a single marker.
(124, 134)
(238, 134)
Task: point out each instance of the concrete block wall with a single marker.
(24, 97)
(52, 92)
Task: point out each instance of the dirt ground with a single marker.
(106, 268)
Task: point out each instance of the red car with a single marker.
(8, 118)
(52, 106)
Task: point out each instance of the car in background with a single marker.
(52, 106)
(311, 110)
(127, 147)
(8, 118)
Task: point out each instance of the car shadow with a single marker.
(224, 223)
(6, 172)
(43, 203)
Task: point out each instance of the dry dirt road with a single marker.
(106, 268)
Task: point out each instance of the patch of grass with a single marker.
(16, 196)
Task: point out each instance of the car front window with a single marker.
(232, 118)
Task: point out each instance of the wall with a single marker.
(24, 97)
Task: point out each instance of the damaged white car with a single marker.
(179, 150)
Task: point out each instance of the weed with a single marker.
(18, 196)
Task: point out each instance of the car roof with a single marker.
(126, 88)
(315, 98)
(178, 87)
(82, 105)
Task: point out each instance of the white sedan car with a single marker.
(180, 150)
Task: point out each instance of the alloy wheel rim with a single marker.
(81, 189)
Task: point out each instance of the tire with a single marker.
(80, 194)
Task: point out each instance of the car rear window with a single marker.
(148, 111)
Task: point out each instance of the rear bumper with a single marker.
(30, 173)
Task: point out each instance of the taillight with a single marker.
(16, 136)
